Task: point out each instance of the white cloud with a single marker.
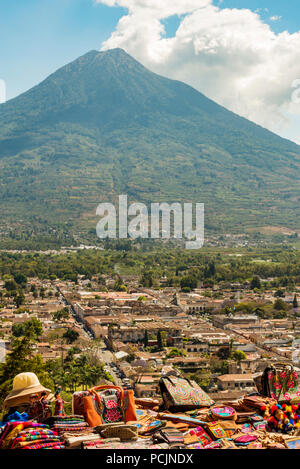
(230, 55)
(275, 18)
(159, 8)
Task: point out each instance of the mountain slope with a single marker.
(105, 125)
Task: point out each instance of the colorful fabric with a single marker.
(282, 382)
(24, 444)
(52, 445)
(244, 440)
(69, 417)
(70, 428)
(247, 428)
(16, 417)
(23, 441)
(223, 412)
(229, 427)
(213, 445)
(149, 429)
(260, 425)
(169, 435)
(112, 444)
(201, 434)
(255, 445)
(195, 446)
(69, 422)
(109, 407)
(43, 431)
(215, 430)
(23, 435)
(12, 430)
(182, 393)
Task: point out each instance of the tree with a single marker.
(203, 378)
(224, 353)
(147, 279)
(21, 359)
(255, 283)
(119, 286)
(71, 336)
(32, 328)
(219, 366)
(10, 285)
(227, 311)
(231, 346)
(62, 314)
(212, 269)
(146, 339)
(176, 352)
(280, 305)
(189, 282)
(239, 355)
(20, 279)
(131, 350)
(159, 341)
(279, 294)
(19, 299)
(295, 302)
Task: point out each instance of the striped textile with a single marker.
(24, 444)
(70, 428)
(53, 445)
(12, 430)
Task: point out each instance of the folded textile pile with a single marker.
(120, 430)
(172, 436)
(29, 435)
(68, 423)
(115, 443)
(14, 417)
(110, 418)
(75, 441)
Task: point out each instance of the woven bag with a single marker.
(124, 432)
(280, 382)
(105, 404)
(182, 394)
(223, 413)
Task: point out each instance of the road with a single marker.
(104, 355)
(107, 357)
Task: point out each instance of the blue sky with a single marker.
(39, 36)
(289, 10)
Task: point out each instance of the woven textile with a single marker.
(223, 413)
(24, 444)
(53, 445)
(215, 430)
(12, 430)
(179, 393)
(70, 428)
(203, 437)
(110, 444)
(281, 382)
(29, 435)
(26, 439)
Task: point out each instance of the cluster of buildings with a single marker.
(148, 333)
(42, 300)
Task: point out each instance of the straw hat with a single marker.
(24, 385)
